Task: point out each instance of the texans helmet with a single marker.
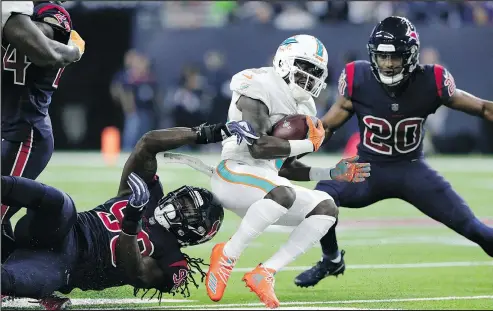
(192, 214)
(394, 38)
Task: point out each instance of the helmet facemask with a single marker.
(392, 67)
(184, 213)
(306, 77)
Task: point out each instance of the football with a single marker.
(292, 127)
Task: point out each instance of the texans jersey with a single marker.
(98, 232)
(391, 125)
(26, 88)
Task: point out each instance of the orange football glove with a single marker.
(76, 40)
(316, 134)
(351, 171)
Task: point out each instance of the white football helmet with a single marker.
(302, 60)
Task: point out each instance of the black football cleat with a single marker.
(322, 269)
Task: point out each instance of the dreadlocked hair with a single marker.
(194, 266)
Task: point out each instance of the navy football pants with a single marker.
(416, 183)
(27, 159)
(46, 242)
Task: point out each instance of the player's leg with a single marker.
(27, 159)
(50, 212)
(351, 195)
(313, 213)
(37, 273)
(432, 195)
(256, 194)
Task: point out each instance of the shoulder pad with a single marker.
(54, 15)
(251, 83)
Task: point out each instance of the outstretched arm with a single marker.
(142, 160)
(23, 34)
(345, 170)
(463, 101)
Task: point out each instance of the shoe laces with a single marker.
(226, 266)
(268, 276)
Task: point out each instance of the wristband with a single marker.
(300, 146)
(319, 173)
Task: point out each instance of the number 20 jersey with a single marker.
(26, 88)
(391, 128)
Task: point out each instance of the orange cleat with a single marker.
(261, 281)
(220, 268)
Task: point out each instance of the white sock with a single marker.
(308, 232)
(259, 216)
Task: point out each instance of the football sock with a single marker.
(259, 216)
(308, 232)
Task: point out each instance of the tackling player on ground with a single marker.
(392, 95)
(253, 178)
(29, 79)
(134, 238)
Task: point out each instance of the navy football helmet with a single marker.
(394, 50)
(192, 214)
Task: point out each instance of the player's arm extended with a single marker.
(23, 34)
(463, 101)
(338, 114)
(142, 160)
(346, 170)
(268, 147)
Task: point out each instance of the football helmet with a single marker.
(393, 41)
(302, 62)
(192, 214)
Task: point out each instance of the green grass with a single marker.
(89, 183)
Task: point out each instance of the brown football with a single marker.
(292, 127)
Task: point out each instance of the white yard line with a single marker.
(308, 303)
(394, 266)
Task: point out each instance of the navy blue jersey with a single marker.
(26, 88)
(99, 229)
(391, 126)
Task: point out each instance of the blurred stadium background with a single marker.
(151, 65)
(176, 59)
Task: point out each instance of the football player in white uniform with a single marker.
(252, 179)
(19, 30)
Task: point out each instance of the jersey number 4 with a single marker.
(15, 61)
(405, 136)
(112, 222)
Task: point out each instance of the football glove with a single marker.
(214, 133)
(77, 41)
(351, 171)
(131, 223)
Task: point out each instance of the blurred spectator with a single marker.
(191, 101)
(329, 11)
(369, 11)
(254, 12)
(293, 17)
(218, 78)
(135, 89)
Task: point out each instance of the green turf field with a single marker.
(396, 258)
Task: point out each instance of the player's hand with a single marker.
(242, 130)
(131, 223)
(77, 41)
(316, 134)
(351, 171)
(140, 193)
(207, 134)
